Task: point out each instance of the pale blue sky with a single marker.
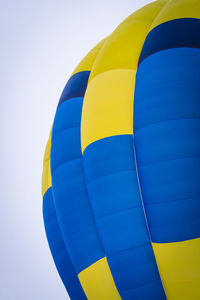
(41, 43)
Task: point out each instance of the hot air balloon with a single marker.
(121, 172)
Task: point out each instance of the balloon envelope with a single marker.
(121, 173)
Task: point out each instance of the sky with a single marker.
(42, 41)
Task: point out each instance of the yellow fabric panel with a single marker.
(179, 267)
(46, 174)
(108, 106)
(46, 178)
(108, 102)
(122, 48)
(97, 282)
(175, 9)
(87, 62)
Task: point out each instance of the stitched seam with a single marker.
(64, 129)
(130, 248)
(158, 279)
(166, 121)
(112, 173)
(119, 211)
(69, 99)
(65, 163)
(165, 49)
(168, 160)
(175, 200)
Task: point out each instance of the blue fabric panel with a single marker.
(151, 291)
(173, 144)
(162, 74)
(123, 229)
(133, 267)
(123, 149)
(69, 115)
(112, 186)
(58, 249)
(172, 34)
(75, 87)
(104, 201)
(167, 126)
(70, 195)
(66, 139)
(66, 131)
